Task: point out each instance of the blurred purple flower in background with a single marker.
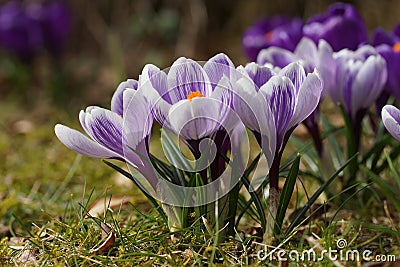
(341, 26)
(277, 31)
(388, 46)
(56, 25)
(20, 30)
(26, 29)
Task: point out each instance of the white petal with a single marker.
(307, 99)
(196, 118)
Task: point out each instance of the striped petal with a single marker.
(368, 83)
(391, 120)
(81, 144)
(280, 94)
(104, 126)
(186, 76)
(308, 98)
(218, 66)
(116, 100)
(296, 73)
(154, 78)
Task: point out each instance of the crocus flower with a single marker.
(341, 26)
(388, 46)
(193, 101)
(310, 56)
(272, 105)
(120, 133)
(360, 77)
(391, 120)
(20, 31)
(277, 31)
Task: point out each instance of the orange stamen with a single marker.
(396, 47)
(194, 94)
(268, 35)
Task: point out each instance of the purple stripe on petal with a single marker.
(295, 72)
(218, 66)
(391, 120)
(138, 119)
(158, 81)
(116, 100)
(308, 98)
(368, 83)
(258, 74)
(186, 76)
(280, 94)
(80, 143)
(105, 127)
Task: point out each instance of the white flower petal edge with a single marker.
(390, 118)
(80, 143)
(308, 98)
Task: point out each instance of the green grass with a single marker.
(46, 191)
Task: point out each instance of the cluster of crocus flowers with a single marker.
(341, 26)
(25, 29)
(271, 97)
(198, 102)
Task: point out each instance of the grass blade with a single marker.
(286, 195)
(148, 196)
(314, 197)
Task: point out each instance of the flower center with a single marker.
(396, 47)
(268, 35)
(194, 94)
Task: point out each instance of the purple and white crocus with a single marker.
(310, 56)
(120, 133)
(360, 78)
(193, 102)
(272, 105)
